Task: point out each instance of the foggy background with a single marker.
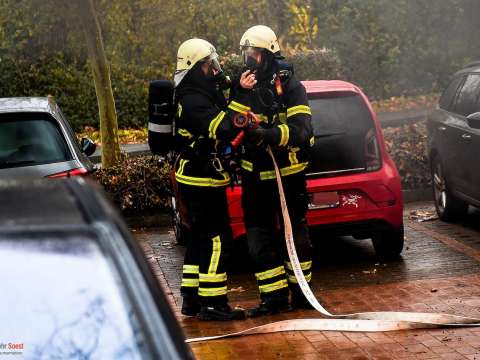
(388, 48)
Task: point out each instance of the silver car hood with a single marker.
(38, 171)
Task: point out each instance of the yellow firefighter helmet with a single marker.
(260, 36)
(191, 52)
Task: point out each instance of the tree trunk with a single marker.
(103, 85)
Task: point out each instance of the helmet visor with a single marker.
(213, 63)
(252, 56)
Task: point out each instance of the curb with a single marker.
(404, 117)
(413, 195)
(130, 149)
(149, 220)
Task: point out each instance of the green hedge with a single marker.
(72, 84)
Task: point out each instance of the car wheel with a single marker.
(449, 208)
(182, 233)
(389, 243)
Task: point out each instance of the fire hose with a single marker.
(359, 322)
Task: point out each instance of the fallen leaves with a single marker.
(398, 103)
(423, 215)
(239, 289)
(125, 136)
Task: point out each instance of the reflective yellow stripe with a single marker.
(236, 109)
(303, 265)
(240, 106)
(262, 117)
(299, 109)
(179, 110)
(283, 117)
(216, 251)
(289, 170)
(280, 284)
(236, 105)
(213, 277)
(293, 279)
(247, 165)
(214, 125)
(183, 162)
(185, 133)
(214, 129)
(190, 282)
(212, 291)
(292, 156)
(270, 273)
(190, 269)
(312, 140)
(197, 181)
(284, 134)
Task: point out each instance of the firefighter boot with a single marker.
(298, 300)
(270, 305)
(190, 305)
(222, 312)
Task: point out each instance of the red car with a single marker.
(353, 183)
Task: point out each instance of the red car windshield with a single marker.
(343, 128)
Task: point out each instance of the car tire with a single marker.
(448, 207)
(389, 243)
(182, 233)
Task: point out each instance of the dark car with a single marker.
(454, 144)
(75, 284)
(36, 140)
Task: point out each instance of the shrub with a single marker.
(138, 184)
(308, 65)
(407, 146)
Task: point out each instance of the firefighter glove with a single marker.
(259, 136)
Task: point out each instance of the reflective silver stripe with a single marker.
(159, 128)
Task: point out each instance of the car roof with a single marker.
(317, 86)
(38, 203)
(469, 68)
(27, 104)
(76, 205)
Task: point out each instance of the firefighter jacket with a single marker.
(203, 130)
(287, 114)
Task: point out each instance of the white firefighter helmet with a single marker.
(191, 52)
(260, 36)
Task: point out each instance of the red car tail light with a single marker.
(372, 152)
(68, 173)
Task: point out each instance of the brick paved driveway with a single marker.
(439, 271)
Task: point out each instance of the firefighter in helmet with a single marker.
(203, 129)
(280, 102)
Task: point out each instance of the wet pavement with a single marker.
(439, 272)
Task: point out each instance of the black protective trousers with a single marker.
(204, 269)
(264, 225)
